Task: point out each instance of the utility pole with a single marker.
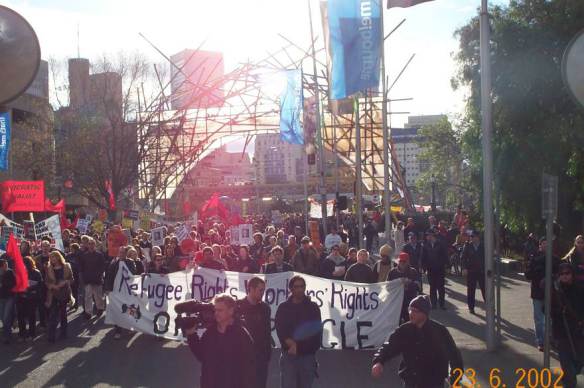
(487, 130)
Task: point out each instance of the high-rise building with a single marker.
(196, 79)
(406, 143)
(277, 161)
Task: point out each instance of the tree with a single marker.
(537, 126)
(441, 152)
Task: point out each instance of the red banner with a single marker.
(23, 196)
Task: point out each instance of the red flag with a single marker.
(110, 192)
(404, 3)
(20, 272)
(214, 207)
(59, 207)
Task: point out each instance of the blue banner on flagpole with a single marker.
(291, 105)
(355, 40)
(4, 139)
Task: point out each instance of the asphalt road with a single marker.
(92, 357)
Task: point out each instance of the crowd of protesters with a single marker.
(84, 272)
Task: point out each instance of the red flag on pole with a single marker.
(404, 3)
(20, 272)
(110, 192)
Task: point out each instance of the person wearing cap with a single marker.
(426, 347)
(568, 323)
(434, 262)
(414, 250)
(382, 266)
(536, 274)
(411, 280)
(473, 268)
(306, 259)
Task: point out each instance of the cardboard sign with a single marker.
(157, 236)
(23, 196)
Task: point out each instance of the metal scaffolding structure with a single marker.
(173, 141)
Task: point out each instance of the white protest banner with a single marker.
(246, 234)
(354, 316)
(182, 232)
(50, 227)
(157, 235)
(17, 229)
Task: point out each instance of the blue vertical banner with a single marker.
(4, 139)
(291, 108)
(355, 45)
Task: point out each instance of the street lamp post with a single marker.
(433, 183)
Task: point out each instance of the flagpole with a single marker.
(319, 136)
(386, 160)
(487, 129)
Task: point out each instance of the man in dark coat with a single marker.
(92, 268)
(415, 249)
(411, 279)
(568, 323)
(7, 283)
(279, 265)
(426, 346)
(360, 272)
(473, 267)
(256, 319)
(299, 328)
(536, 274)
(225, 350)
(434, 262)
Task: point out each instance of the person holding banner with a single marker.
(299, 329)
(426, 346)
(225, 349)
(278, 265)
(256, 319)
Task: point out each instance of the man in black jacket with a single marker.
(7, 283)
(414, 249)
(568, 323)
(299, 328)
(225, 350)
(536, 274)
(92, 268)
(256, 319)
(434, 261)
(411, 280)
(473, 267)
(278, 265)
(426, 346)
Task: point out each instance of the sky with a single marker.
(243, 29)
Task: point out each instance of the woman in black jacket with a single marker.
(27, 302)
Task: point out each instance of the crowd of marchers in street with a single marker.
(61, 283)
